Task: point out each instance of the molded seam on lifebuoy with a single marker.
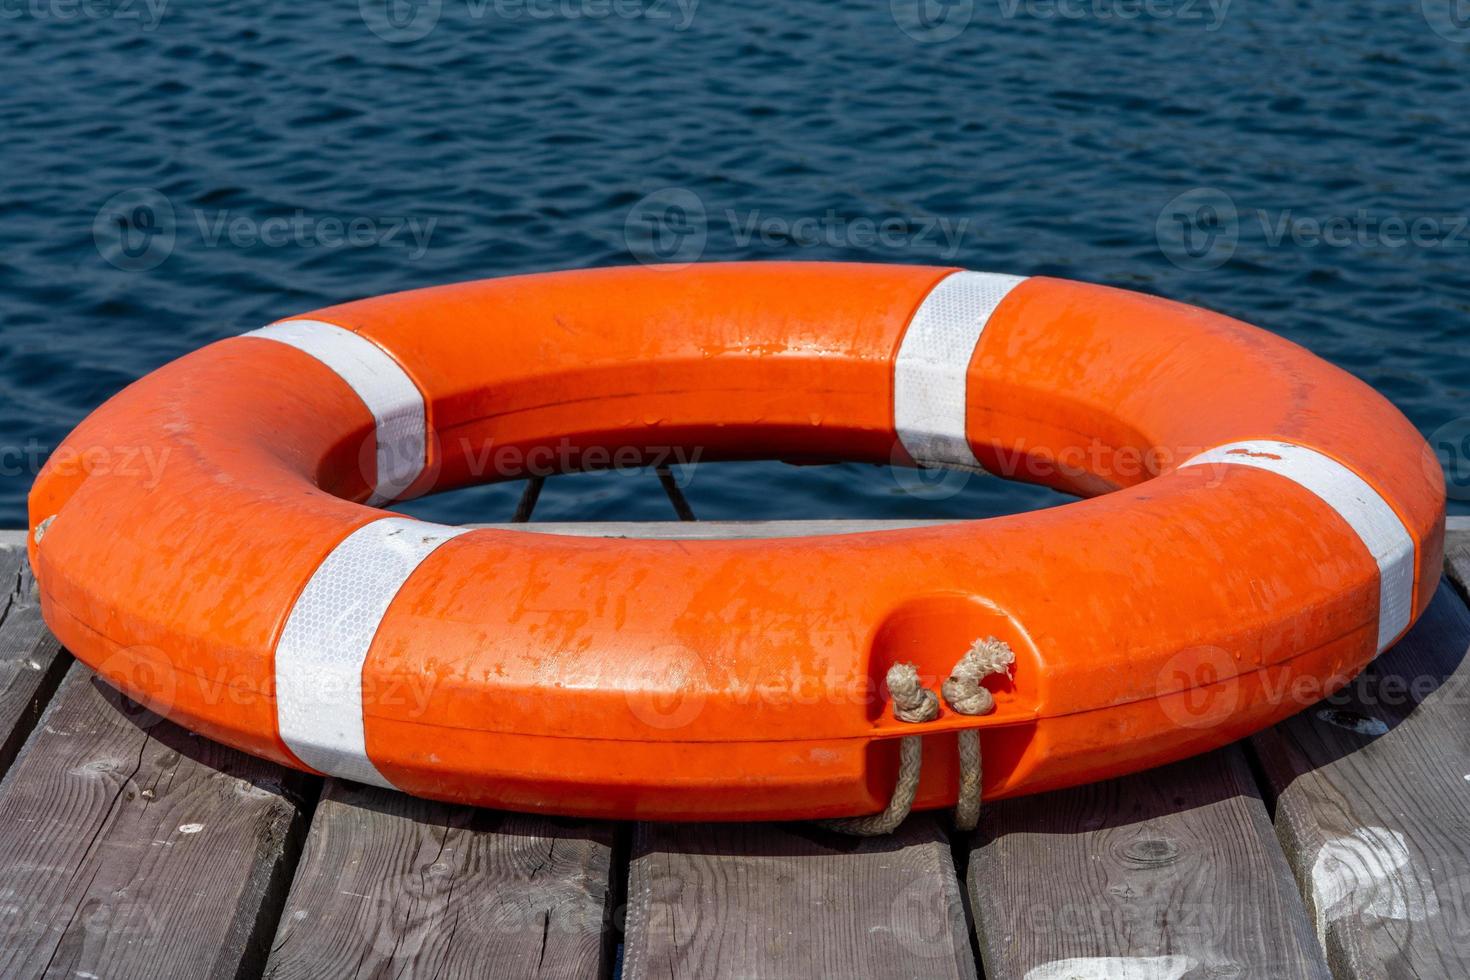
(1382, 532)
(321, 652)
(396, 404)
(933, 363)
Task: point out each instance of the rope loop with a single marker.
(916, 704)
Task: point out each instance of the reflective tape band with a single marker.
(1375, 522)
(933, 362)
(396, 404)
(319, 657)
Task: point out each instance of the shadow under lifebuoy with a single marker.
(1424, 679)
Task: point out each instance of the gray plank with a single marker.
(709, 530)
(1166, 874)
(32, 663)
(777, 901)
(1457, 553)
(134, 849)
(394, 886)
(1373, 806)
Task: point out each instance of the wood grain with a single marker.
(1373, 805)
(134, 849)
(1171, 873)
(32, 663)
(776, 901)
(1457, 553)
(398, 887)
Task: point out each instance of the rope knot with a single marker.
(963, 690)
(912, 701)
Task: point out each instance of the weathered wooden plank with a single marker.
(134, 849)
(763, 900)
(31, 661)
(1457, 553)
(709, 530)
(1373, 806)
(394, 886)
(1167, 874)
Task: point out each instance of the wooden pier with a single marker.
(1336, 844)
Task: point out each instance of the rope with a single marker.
(966, 695)
(967, 807)
(963, 691)
(912, 702)
(916, 704)
(910, 757)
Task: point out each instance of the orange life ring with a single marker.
(1260, 525)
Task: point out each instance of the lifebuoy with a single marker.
(1259, 526)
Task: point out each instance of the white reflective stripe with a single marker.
(934, 360)
(385, 388)
(321, 651)
(1375, 522)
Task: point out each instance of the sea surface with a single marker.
(176, 172)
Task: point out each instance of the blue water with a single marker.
(1034, 136)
